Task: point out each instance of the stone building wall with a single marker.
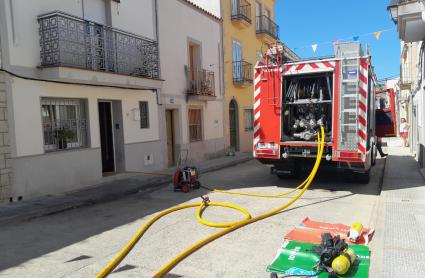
(5, 158)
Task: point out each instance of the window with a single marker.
(194, 67)
(257, 9)
(257, 15)
(235, 7)
(64, 123)
(237, 60)
(195, 126)
(249, 119)
(144, 114)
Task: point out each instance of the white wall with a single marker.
(212, 6)
(189, 24)
(27, 112)
(135, 16)
(95, 10)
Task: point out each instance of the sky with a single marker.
(307, 22)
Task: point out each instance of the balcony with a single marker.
(241, 13)
(72, 42)
(408, 14)
(242, 73)
(200, 84)
(266, 28)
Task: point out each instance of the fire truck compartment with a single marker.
(307, 105)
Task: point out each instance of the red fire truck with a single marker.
(292, 100)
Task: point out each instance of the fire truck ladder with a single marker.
(348, 104)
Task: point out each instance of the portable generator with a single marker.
(186, 179)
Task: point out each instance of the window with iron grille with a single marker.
(249, 119)
(195, 125)
(64, 123)
(144, 114)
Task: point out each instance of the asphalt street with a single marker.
(80, 242)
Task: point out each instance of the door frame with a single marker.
(237, 147)
(112, 135)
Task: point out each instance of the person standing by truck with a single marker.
(404, 131)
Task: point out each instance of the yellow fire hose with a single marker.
(230, 227)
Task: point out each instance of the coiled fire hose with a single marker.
(230, 227)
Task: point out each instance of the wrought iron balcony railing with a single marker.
(265, 25)
(242, 72)
(241, 11)
(70, 41)
(200, 82)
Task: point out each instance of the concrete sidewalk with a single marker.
(402, 223)
(109, 189)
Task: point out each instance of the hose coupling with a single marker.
(205, 200)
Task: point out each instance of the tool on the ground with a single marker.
(186, 178)
(310, 231)
(335, 256)
(230, 226)
(296, 259)
(343, 262)
(355, 231)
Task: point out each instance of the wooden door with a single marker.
(170, 136)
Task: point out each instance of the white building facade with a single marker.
(409, 15)
(192, 96)
(79, 93)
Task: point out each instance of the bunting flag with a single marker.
(376, 34)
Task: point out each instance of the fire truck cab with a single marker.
(292, 100)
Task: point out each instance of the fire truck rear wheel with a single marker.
(373, 154)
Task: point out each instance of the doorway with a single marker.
(169, 119)
(106, 136)
(233, 125)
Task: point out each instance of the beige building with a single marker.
(248, 30)
(191, 64)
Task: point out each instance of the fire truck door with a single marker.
(386, 123)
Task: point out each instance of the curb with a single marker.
(53, 205)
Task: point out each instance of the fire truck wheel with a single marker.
(373, 154)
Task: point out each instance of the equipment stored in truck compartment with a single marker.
(293, 100)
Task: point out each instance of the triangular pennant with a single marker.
(356, 38)
(314, 47)
(378, 35)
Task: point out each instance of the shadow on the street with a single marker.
(402, 172)
(24, 241)
(327, 178)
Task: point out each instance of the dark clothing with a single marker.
(379, 148)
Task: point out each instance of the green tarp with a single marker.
(296, 258)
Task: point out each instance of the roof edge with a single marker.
(202, 10)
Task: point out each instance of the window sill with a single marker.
(65, 150)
